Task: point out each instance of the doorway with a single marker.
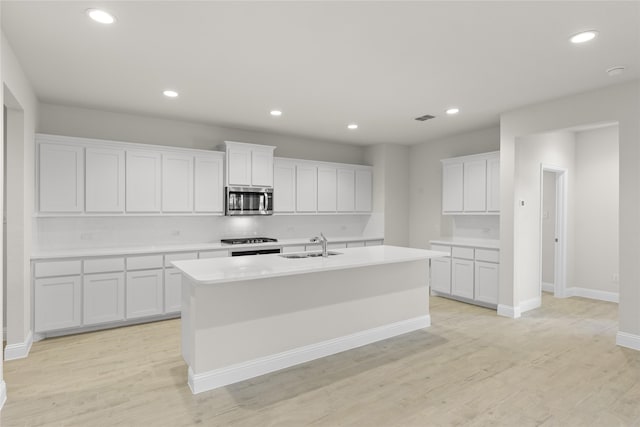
(553, 230)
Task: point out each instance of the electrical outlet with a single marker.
(86, 236)
(615, 278)
(175, 233)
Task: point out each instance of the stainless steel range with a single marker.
(245, 240)
(250, 240)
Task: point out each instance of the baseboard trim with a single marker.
(530, 304)
(592, 294)
(548, 287)
(216, 378)
(3, 393)
(628, 340)
(19, 350)
(509, 311)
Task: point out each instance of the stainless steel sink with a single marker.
(308, 254)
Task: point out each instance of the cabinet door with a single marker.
(172, 290)
(475, 186)
(209, 185)
(262, 167)
(326, 189)
(143, 181)
(441, 275)
(238, 166)
(462, 278)
(284, 186)
(177, 183)
(104, 183)
(61, 178)
(493, 185)
(364, 186)
(144, 293)
(103, 298)
(306, 188)
(486, 282)
(57, 303)
(347, 190)
(452, 187)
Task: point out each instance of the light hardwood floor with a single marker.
(556, 366)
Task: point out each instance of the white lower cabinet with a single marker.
(486, 282)
(57, 303)
(103, 297)
(144, 293)
(462, 278)
(441, 275)
(172, 290)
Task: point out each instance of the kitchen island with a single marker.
(246, 316)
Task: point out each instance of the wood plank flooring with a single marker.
(556, 366)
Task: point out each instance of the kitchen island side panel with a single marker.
(241, 321)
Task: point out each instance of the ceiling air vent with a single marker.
(425, 117)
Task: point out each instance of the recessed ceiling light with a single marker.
(453, 110)
(276, 113)
(615, 71)
(170, 93)
(352, 126)
(584, 36)
(101, 16)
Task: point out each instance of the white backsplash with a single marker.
(104, 232)
(476, 226)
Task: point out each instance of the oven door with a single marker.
(248, 201)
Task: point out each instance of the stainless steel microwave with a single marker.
(248, 201)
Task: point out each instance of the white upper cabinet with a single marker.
(452, 185)
(493, 184)
(177, 183)
(364, 187)
(60, 178)
(284, 186)
(306, 188)
(143, 181)
(249, 164)
(475, 186)
(470, 184)
(346, 199)
(105, 178)
(327, 200)
(208, 192)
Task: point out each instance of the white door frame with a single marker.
(560, 256)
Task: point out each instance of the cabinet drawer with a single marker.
(441, 248)
(487, 255)
(57, 268)
(355, 244)
(374, 243)
(103, 265)
(460, 252)
(335, 246)
(144, 262)
(214, 254)
(179, 257)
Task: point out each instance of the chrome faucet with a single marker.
(323, 241)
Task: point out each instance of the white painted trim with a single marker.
(530, 304)
(593, 294)
(508, 311)
(19, 350)
(548, 287)
(627, 340)
(221, 377)
(3, 393)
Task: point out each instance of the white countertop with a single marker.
(191, 247)
(224, 270)
(468, 242)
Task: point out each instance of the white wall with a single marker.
(22, 104)
(554, 149)
(426, 221)
(614, 104)
(548, 227)
(596, 210)
(3, 387)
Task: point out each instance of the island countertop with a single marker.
(223, 270)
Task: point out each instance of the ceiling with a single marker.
(324, 64)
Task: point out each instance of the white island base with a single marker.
(236, 328)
